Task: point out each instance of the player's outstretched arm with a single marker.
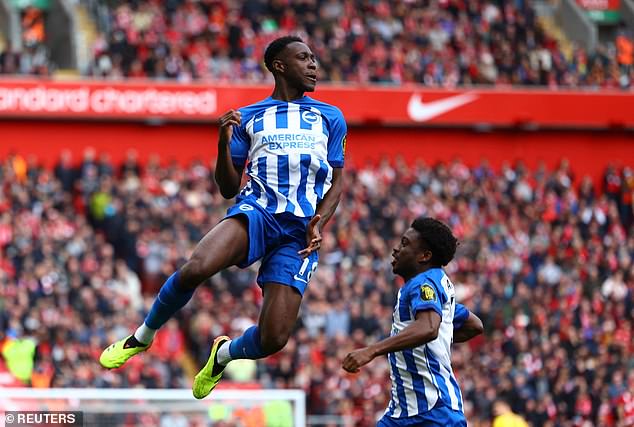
(228, 175)
(422, 331)
(325, 210)
(471, 328)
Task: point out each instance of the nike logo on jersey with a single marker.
(421, 112)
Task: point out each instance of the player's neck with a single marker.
(417, 271)
(283, 92)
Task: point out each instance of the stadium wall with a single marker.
(588, 151)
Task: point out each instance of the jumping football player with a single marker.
(293, 149)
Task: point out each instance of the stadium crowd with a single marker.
(439, 43)
(545, 260)
(34, 57)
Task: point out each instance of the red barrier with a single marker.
(588, 152)
(407, 105)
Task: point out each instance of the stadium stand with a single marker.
(437, 43)
(33, 56)
(441, 44)
(545, 261)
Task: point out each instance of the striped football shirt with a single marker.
(289, 150)
(422, 376)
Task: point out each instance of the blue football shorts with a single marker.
(276, 239)
(439, 416)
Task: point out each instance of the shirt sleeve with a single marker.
(425, 295)
(240, 145)
(460, 315)
(337, 140)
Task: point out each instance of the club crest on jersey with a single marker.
(311, 117)
(427, 293)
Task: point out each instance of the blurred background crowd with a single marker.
(545, 260)
(440, 43)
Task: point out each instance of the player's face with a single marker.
(407, 255)
(300, 66)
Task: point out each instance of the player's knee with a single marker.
(273, 342)
(193, 273)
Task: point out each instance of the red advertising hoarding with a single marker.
(402, 106)
(603, 11)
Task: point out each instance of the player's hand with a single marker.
(356, 359)
(227, 121)
(313, 237)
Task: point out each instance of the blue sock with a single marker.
(247, 346)
(169, 300)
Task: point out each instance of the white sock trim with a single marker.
(144, 334)
(223, 354)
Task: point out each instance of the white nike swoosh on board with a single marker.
(420, 112)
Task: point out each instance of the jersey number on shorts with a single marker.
(304, 271)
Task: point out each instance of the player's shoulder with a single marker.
(433, 275)
(437, 275)
(250, 110)
(429, 281)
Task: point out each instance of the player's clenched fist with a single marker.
(227, 121)
(356, 359)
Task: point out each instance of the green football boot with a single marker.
(118, 353)
(209, 376)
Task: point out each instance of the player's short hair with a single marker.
(438, 237)
(275, 47)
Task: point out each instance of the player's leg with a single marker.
(284, 276)
(278, 316)
(277, 319)
(225, 245)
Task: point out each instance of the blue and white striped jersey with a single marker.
(290, 150)
(422, 376)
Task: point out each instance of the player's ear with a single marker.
(279, 66)
(424, 256)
